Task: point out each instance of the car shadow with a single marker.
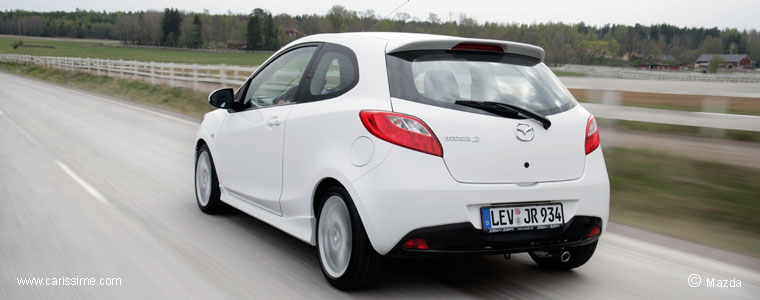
(481, 276)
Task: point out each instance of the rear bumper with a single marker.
(464, 239)
(411, 191)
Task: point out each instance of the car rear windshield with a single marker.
(442, 77)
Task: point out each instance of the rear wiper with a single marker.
(500, 108)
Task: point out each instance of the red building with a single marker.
(733, 61)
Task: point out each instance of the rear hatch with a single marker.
(481, 145)
(480, 148)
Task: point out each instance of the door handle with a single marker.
(274, 121)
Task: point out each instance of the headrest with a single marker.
(441, 86)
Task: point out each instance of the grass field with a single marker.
(182, 100)
(708, 203)
(569, 74)
(70, 48)
(705, 202)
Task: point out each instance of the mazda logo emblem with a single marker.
(524, 132)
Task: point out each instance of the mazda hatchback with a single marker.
(407, 145)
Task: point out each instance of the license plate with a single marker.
(522, 217)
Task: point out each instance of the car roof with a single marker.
(402, 41)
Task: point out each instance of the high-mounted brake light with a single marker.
(592, 135)
(479, 47)
(403, 130)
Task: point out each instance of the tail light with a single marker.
(595, 231)
(403, 130)
(419, 244)
(478, 47)
(592, 135)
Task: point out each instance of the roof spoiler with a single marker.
(446, 43)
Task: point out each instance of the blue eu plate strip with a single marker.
(486, 218)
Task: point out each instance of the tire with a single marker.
(578, 256)
(346, 256)
(207, 191)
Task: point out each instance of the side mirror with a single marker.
(221, 98)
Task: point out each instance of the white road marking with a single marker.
(116, 102)
(86, 186)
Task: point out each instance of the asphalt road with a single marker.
(93, 187)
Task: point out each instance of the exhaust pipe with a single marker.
(564, 257)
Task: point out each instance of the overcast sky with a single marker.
(742, 14)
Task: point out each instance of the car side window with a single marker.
(277, 83)
(335, 72)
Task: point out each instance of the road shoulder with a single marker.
(685, 246)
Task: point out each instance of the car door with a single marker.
(250, 140)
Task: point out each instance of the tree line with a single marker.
(260, 30)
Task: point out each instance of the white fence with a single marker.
(224, 75)
(633, 73)
(675, 117)
(204, 50)
(231, 75)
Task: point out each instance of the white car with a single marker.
(408, 145)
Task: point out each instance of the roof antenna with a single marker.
(378, 21)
